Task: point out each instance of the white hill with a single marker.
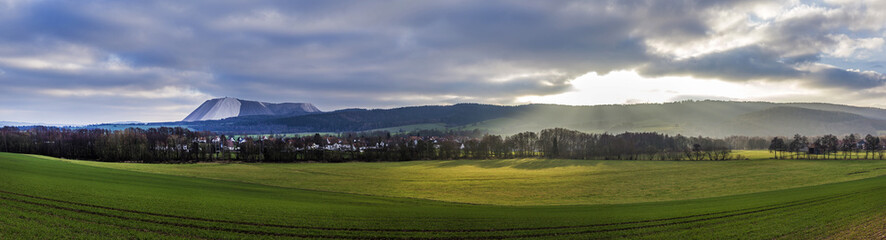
(221, 108)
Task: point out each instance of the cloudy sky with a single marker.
(103, 61)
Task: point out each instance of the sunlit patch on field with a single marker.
(535, 181)
(47, 198)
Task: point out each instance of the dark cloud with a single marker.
(790, 48)
(380, 54)
(755, 63)
(835, 77)
(740, 64)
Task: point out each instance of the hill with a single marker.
(100, 202)
(707, 118)
(12, 124)
(221, 108)
(691, 118)
(27, 124)
(790, 120)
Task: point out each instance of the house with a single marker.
(805, 149)
(812, 149)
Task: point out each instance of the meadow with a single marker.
(42, 197)
(534, 181)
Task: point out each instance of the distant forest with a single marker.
(180, 145)
(828, 147)
(168, 145)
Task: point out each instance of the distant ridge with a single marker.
(689, 118)
(227, 107)
(26, 124)
(13, 124)
(709, 118)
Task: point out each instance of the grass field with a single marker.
(534, 181)
(42, 197)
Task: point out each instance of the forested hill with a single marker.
(693, 118)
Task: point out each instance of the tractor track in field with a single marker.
(788, 204)
(658, 225)
(823, 201)
(729, 214)
(100, 223)
(174, 223)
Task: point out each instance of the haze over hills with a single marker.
(693, 118)
(13, 124)
(706, 118)
(810, 121)
(221, 108)
(18, 124)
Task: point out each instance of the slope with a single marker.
(45, 198)
(534, 181)
(221, 108)
(692, 118)
(786, 121)
(215, 109)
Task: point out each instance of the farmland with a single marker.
(43, 197)
(534, 181)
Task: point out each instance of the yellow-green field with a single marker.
(535, 181)
(49, 198)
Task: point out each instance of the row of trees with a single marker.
(161, 145)
(828, 147)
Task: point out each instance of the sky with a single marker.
(94, 61)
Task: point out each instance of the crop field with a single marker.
(42, 197)
(534, 181)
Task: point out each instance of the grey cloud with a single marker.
(360, 46)
(754, 63)
(371, 54)
(835, 77)
(790, 50)
(740, 64)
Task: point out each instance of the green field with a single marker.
(534, 181)
(43, 197)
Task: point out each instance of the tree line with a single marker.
(176, 145)
(828, 147)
